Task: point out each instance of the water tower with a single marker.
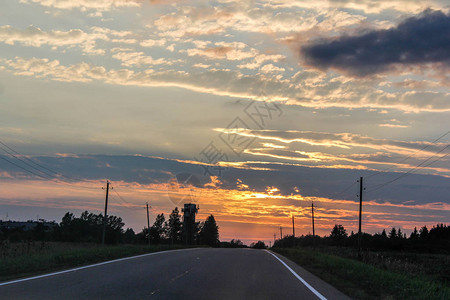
(189, 212)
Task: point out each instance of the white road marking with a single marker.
(90, 266)
(299, 278)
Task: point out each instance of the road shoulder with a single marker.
(325, 289)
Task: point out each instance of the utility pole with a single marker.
(274, 238)
(293, 231)
(360, 211)
(312, 210)
(106, 211)
(148, 225)
(281, 236)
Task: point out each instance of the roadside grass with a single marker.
(429, 266)
(360, 280)
(59, 256)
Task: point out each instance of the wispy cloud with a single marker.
(87, 4)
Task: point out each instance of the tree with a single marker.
(258, 245)
(114, 229)
(157, 230)
(423, 232)
(67, 219)
(236, 243)
(393, 233)
(174, 226)
(209, 234)
(88, 228)
(399, 233)
(338, 232)
(129, 236)
(414, 235)
(338, 235)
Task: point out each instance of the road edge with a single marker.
(311, 281)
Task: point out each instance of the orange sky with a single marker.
(240, 213)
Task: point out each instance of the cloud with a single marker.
(152, 43)
(337, 150)
(189, 21)
(33, 36)
(137, 59)
(367, 6)
(393, 125)
(224, 50)
(315, 91)
(417, 40)
(87, 4)
(270, 68)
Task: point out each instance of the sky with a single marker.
(251, 109)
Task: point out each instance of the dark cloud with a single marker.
(312, 182)
(421, 39)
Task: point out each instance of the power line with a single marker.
(122, 199)
(403, 160)
(33, 162)
(47, 176)
(337, 194)
(54, 180)
(419, 166)
(29, 171)
(343, 191)
(24, 162)
(133, 208)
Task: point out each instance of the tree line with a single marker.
(174, 231)
(435, 239)
(88, 228)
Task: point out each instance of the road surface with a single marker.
(181, 274)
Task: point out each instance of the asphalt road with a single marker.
(182, 274)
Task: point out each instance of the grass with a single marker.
(19, 260)
(362, 280)
(433, 267)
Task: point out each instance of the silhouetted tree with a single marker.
(338, 232)
(129, 237)
(393, 233)
(338, 235)
(423, 232)
(88, 228)
(414, 235)
(399, 233)
(209, 234)
(157, 232)
(236, 243)
(440, 231)
(174, 226)
(258, 245)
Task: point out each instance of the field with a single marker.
(377, 275)
(31, 258)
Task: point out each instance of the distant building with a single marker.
(26, 226)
